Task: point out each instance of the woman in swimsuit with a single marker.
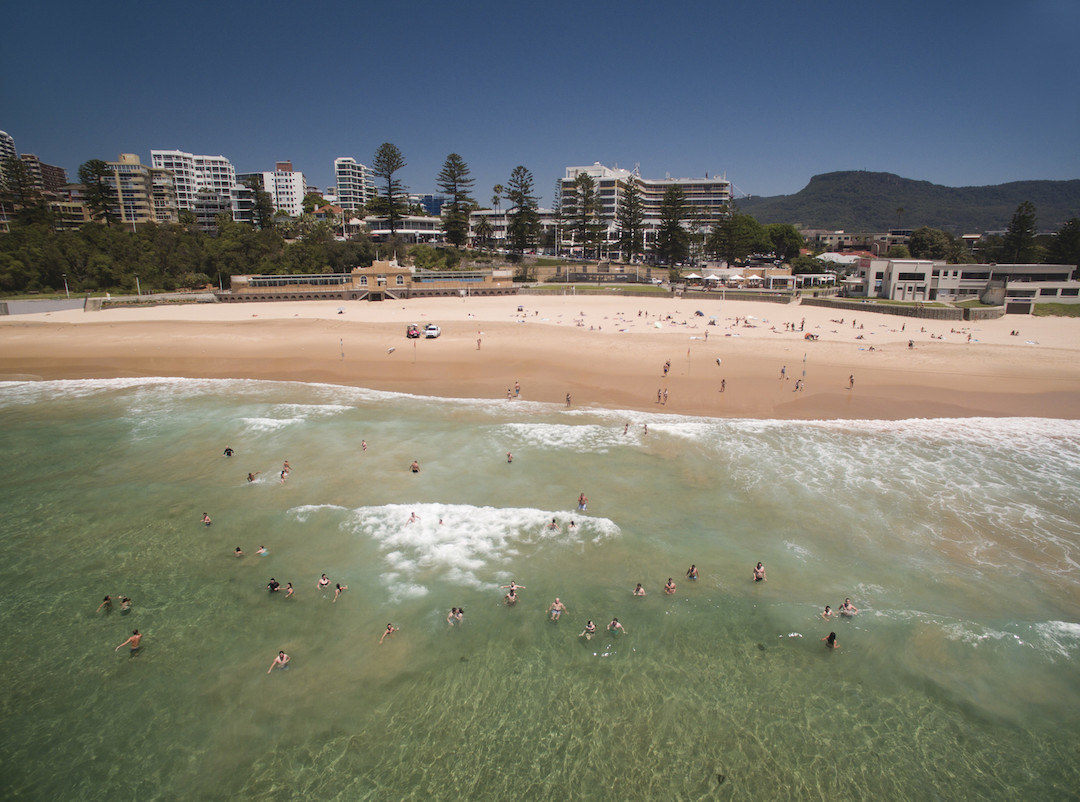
(451, 619)
(323, 582)
(828, 613)
(288, 590)
(390, 630)
(337, 590)
(830, 641)
(589, 631)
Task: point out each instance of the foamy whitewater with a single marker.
(957, 540)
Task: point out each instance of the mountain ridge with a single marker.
(860, 200)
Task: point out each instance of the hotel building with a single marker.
(354, 183)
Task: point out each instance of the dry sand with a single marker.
(606, 351)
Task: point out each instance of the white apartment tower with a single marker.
(355, 183)
(192, 173)
(7, 150)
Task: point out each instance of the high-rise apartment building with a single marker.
(355, 183)
(285, 186)
(7, 150)
(141, 194)
(47, 177)
(193, 173)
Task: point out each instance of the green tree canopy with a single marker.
(737, 236)
(454, 180)
(672, 239)
(98, 194)
(524, 221)
(931, 243)
(1064, 248)
(631, 221)
(786, 240)
(581, 208)
(388, 160)
(1018, 245)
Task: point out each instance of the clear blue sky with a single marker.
(958, 93)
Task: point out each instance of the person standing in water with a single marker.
(847, 609)
(582, 501)
(759, 573)
(692, 573)
(669, 588)
(281, 661)
(615, 626)
(639, 591)
(830, 641)
(206, 519)
(135, 640)
(589, 631)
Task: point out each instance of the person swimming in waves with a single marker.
(512, 586)
(830, 641)
(669, 588)
(451, 618)
(828, 613)
(273, 585)
(639, 591)
(106, 603)
(511, 597)
(759, 573)
(390, 630)
(251, 476)
(288, 590)
(323, 582)
(589, 631)
(337, 591)
(262, 552)
(615, 626)
(281, 661)
(847, 609)
(556, 608)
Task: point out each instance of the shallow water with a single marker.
(959, 540)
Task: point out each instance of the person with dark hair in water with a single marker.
(830, 641)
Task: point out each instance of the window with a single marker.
(1048, 291)
(400, 280)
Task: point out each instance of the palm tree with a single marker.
(496, 199)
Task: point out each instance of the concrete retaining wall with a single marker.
(923, 312)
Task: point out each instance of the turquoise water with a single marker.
(959, 540)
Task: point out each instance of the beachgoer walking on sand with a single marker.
(556, 608)
(280, 661)
(568, 399)
(390, 630)
(851, 381)
(665, 397)
(759, 573)
(659, 394)
(723, 385)
(783, 372)
(206, 519)
(134, 641)
(517, 389)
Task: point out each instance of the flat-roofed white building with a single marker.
(285, 186)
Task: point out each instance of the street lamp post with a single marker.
(67, 292)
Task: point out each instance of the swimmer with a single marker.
(280, 661)
(759, 573)
(669, 588)
(615, 626)
(692, 572)
(390, 630)
(582, 502)
(828, 613)
(206, 519)
(847, 609)
(589, 631)
(510, 597)
(134, 640)
(106, 603)
(251, 476)
(553, 525)
(415, 467)
(288, 590)
(285, 468)
(509, 457)
(239, 552)
(363, 445)
(413, 518)
(639, 591)
(323, 582)
(830, 641)
(572, 526)
(337, 591)
(273, 585)
(513, 586)
(451, 618)
(262, 551)
(284, 474)
(556, 608)
(229, 452)
(125, 604)
(460, 615)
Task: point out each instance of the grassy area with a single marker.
(1056, 310)
(974, 303)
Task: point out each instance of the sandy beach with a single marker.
(605, 351)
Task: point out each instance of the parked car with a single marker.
(413, 331)
(432, 331)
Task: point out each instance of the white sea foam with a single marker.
(257, 425)
(305, 511)
(471, 545)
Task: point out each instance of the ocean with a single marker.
(958, 541)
